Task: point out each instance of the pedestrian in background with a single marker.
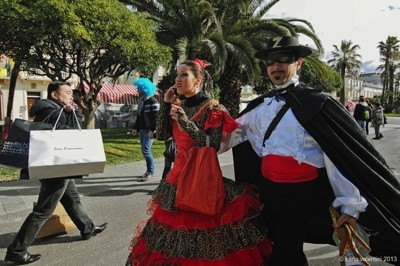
(145, 124)
(360, 112)
(169, 153)
(52, 190)
(377, 120)
(368, 116)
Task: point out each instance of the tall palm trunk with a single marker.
(343, 93)
(385, 84)
(391, 86)
(231, 87)
(10, 103)
(384, 89)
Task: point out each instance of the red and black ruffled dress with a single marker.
(234, 236)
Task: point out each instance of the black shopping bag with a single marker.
(15, 149)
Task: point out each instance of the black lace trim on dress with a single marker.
(212, 244)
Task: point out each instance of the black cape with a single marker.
(343, 141)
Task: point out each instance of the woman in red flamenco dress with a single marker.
(235, 235)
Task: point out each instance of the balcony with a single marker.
(40, 76)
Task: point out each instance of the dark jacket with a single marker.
(359, 112)
(343, 141)
(47, 110)
(146, 115)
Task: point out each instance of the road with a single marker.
(118, 198)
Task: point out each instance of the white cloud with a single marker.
(364, 22)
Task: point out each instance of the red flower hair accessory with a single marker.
(202, 63)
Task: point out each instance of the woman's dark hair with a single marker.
(199, 71)
(55, 86)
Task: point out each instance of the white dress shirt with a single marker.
(290, 139)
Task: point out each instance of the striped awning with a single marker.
(119, 93)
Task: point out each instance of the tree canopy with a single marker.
(92, 39)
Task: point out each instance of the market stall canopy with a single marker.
(117, 93)
(120, 93)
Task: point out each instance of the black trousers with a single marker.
(288, 208)
(52, 191)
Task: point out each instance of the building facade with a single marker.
(367, 85)
(29, 89)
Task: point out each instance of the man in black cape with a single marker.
(316, 132)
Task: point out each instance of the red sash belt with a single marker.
(284, 169)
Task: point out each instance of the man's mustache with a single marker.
(277, 71)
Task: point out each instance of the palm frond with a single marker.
(243, 55)
(262, 9)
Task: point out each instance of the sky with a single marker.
(364, 22)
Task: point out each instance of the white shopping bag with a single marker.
(60, 153)
(63, 153)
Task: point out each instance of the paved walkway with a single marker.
(20, 194)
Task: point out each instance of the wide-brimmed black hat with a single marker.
(290, 43)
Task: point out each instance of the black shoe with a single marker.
(375, 138)
(97, 230)
(21, 259)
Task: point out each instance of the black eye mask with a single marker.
(287, 58)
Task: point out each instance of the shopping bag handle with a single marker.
(76, 119)
(58, 118)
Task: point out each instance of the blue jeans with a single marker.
(52, 191)
(146, 144)
(378, 134)
(362, 124)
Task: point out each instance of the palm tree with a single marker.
(345, 60)
(389, 51)
(246, 29)
(226, 33)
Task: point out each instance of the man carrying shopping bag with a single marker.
(53, 190)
